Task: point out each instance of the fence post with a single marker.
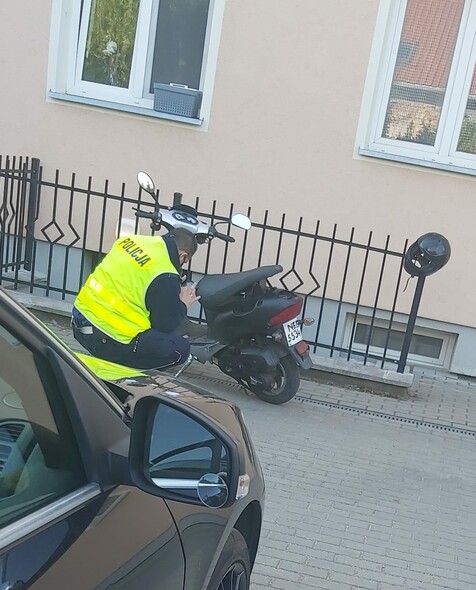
(411, 324)
(32, 204)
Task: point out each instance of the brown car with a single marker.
(138, 483)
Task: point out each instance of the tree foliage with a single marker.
(110, 43)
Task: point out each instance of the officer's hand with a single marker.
(188, 294)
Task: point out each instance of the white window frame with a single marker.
(382, 61)
(130, 95)
(66, 61)
(447, 347)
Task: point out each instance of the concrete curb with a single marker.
(367, 373)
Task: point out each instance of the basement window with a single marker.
(427, 346)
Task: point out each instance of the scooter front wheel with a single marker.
(286, 381)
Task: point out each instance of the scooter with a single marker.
(253, 330)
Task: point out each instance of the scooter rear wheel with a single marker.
(286, 383)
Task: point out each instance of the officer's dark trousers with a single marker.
(149, 350)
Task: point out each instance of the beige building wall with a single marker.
(282, 134)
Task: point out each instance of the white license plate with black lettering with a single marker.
(292, 331)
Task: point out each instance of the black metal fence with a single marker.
(53, 232)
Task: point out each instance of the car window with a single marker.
(39, 460)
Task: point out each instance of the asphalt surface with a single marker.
(363, 490)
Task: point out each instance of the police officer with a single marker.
(131, 304)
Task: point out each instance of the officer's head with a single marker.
(185, 242)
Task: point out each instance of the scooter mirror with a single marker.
(240, 220)
(146, 183)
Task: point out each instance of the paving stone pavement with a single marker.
(356, 497)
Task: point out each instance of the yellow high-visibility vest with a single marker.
(107, 370)
(113, 298)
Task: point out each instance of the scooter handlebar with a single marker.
(171, 218)
(224, 237)
(147, 215)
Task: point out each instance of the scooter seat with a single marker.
(214, 290)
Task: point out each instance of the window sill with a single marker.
(417, 162)
(123, 107)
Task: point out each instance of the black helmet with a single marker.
(427, 255)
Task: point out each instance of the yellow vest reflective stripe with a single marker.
(113, 298)
(119, 309)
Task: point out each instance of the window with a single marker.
(427, 347)
(39, 461)
(420, 103)
(112, 52)
(377, 336)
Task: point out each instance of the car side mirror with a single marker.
(178, 454)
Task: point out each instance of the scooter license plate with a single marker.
(292, 331)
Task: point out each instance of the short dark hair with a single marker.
(184, 240)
